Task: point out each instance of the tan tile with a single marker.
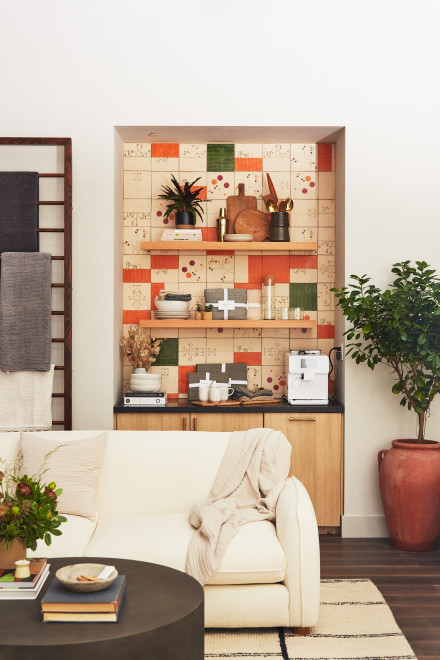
(305, 213)
(192, 268)
(132, 238)
(254, 378)
(276, 151)
(306, 234)
(159, 179)
(192, 350)
(170, 378)
(274, 377)
(303, 157)
(138, 219)
(220, 269)
(326, 240)
(326, 268)
(220, 350)
(303, 185)
(245, 344)
(326, 185)
(137, 156)
(273, 165)
(136, 295)
(248, 151)
(246, 333)
(326, 205)
(326, 219)
(306, 275)
(281, 183)
(164, 164)
(253, 183)
(141, 261)
(141, 205)
(220, 333)
(303, 344)
(192, 332)
(220, 185)
(273, 350)
(325, 345)
(326, 300)
(193, 151)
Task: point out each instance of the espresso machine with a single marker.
(307, 378)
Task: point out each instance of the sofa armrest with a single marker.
(297, 532)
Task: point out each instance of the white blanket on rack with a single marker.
(26, 400)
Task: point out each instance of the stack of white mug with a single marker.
(215, 392)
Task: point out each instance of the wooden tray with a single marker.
(230, 402)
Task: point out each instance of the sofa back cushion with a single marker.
(158, 471)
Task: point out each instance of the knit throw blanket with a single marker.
(246, 489)
(25, 311)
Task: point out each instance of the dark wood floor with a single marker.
(409, 581)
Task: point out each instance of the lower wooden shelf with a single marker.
(244, 323)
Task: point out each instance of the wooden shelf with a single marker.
(245, 323)
(251, 246)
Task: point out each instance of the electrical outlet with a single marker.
(340, 352)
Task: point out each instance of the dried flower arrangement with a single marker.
(140, 349)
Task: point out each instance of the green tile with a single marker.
(303, 295)
(169, 353)
(221, 158)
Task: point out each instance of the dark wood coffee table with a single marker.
(161, 618)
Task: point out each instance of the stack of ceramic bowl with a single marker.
(172, 309)
(143, 382)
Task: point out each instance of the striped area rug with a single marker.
(355, 623)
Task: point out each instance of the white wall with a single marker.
(79, 68)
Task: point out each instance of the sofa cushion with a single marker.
(74, 467)
(253, 556)
(76, 533)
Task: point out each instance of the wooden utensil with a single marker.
(282, 206)
(235, 204)
(273, 192)
(253, 222)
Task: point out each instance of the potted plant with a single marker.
(198, 311)
(207, 313)
(184, 202)
(28, 511)
(400, 328)
(140, 350)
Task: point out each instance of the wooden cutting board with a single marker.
(253, 222)
(235, 204)
(230, 402)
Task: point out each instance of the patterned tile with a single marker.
(220, 350)
(303, 344)
(164, 164)
(137, 156)
(326, 240)
(165, 268)
(138, 218)
(192, 350)
(133, 237)
(326, 298)
(136, 296)
(305, 213)
(253, 183)
(276, 151)
(281, 182)
(220, 157)
(303, 157)
(220, 185)
(303, 295)
(137, 183)
(220, 269)
(326, 268)
(254, 377)
(159, 179)
(274, 378)
(305, 333)
(248, 151)
(137, 269)
(247, 349)
(303, 185)
(158, 210)
(219, 333)
(326, 205)
(170, 379)
(192, 268)
(198, 151)
(273, 350)
(306, 234)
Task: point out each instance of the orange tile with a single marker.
(255, 269)
(172, 396)
(165, 150)
(247, 285)
(303, 261)
(183, 377)
(248, 164)
(136, 275)
(155, 288)
(209, 233)
(325, 157)
(159, 261)
(203, 191)
(278, 265)
(326, 331)
(132, 316)
(250, 357)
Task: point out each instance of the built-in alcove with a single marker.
(305, 163)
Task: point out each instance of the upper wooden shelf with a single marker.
(244, 323)
(251, 246)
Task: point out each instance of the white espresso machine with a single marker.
(307, 378)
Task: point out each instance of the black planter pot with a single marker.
(184, 220)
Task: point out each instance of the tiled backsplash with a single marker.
(304, 172)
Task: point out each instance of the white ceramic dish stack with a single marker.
(145, 382)
(172, 309)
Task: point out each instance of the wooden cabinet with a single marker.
(317, 456)
(151, 422)
(225, 422)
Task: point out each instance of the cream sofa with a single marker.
(149, 481)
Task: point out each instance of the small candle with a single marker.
(22, 568)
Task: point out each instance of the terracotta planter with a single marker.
(198, 316)
(207, 316)
(12, 553)
(409, 480)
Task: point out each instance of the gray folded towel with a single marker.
(25, 311)
(178, 296)
(18, 211)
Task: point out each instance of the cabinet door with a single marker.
(152, 422)
(224, 422)
(316, 459)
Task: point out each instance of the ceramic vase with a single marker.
(409, 480)
(11, 553)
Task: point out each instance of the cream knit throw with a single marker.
(246, 489)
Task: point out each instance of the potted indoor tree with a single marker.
(400, 328)
(184, 201)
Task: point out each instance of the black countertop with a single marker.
(184, 406)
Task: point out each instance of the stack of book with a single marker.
(181, 235)
(12, 588)
(145, 398)
(60, 605)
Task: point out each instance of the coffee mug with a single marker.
(215, 394)
(203, 392)
(225, 392)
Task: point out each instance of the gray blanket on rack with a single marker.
(18, 211)
(25, 311)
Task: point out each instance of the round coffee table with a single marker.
(161, 619)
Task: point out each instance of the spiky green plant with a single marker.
(183, 198)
